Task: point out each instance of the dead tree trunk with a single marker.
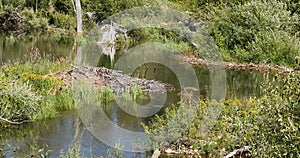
(78, 12)
(1, 50)
(1, 5)
(77, 9)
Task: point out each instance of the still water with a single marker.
(56, 136)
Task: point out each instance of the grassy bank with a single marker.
(269, 125)
(26, 94)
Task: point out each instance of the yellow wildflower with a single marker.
(264, 98)
(224, 123)
(253, 111)
(243, 113)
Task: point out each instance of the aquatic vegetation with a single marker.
(86, 94)
(136, 92)
(269, 124)
(116, 152)
(73, 152)
(25, 90)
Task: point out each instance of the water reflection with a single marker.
(15, 49)
(57, 135)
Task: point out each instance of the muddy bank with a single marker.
(241, 66)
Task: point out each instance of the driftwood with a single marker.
(13, 122)
(241, 152)
(156, 153)
(103, 77)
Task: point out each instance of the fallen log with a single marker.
(241, 152)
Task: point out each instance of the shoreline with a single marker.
(241, 66)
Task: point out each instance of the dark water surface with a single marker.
(59, 134)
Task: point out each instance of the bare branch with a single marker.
(15, 123)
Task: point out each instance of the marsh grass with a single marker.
(84, 93)
(26, 93)
(73, 152)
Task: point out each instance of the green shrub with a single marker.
(269, 124)
(242, 29)
(34, 19)
(162, 35)
(275, 47)
(18, 102)
(63, 21)
(106, 8)
(64, 6)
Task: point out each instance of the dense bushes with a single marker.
(106, 8)
(256, 32)
(60, 13)
(245, 31)
(269, 125)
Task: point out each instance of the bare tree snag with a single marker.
(77, 9)
(1, 50)
(1, 5)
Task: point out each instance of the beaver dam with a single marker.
(102, 77)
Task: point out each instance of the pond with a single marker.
(59, 134)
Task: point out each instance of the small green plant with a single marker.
(116, 152)
(73, 152)
(136, 92)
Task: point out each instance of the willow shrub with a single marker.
(18, 102)
(269, 125)
(257, 31)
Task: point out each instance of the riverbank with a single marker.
(267, 126)
(243, 66)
